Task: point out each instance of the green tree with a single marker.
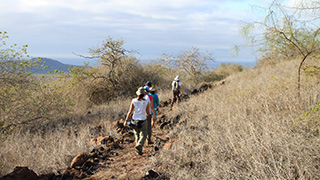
(284, 34)
(23, 98)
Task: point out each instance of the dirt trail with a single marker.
(116, 158)
(125, 163)
(120, 161)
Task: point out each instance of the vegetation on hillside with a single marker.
(253, 127)
(37, 106)
(25, 99)
(286, 32)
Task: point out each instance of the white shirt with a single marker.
(140, 107)
(179, 83)
(146, 97)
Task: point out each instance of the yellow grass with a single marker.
(248, 128)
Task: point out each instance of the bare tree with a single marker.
(115, 72)
(193, 62)
(190, 62)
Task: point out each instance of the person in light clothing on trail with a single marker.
(140, 108)
(176, 90)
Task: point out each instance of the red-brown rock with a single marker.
(93, 142)
(21, 173)
(74, 173)
(104, 140)
(167, 145)
(79, 160)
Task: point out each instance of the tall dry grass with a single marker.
(50, 147)
(248, 129)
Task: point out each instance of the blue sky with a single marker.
(57, 28)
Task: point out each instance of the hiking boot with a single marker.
(139, 150)
(150, 142)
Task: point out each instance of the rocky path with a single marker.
(125, 163)
(114, 158)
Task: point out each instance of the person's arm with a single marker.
(157, 102)
(154, 118)
(156, 99)
(129, 113)
(148, 109)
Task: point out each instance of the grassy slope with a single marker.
(248, 128)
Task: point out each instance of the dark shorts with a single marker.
(138, 123)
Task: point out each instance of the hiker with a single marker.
(140, 109)
(176, 90)
(153, 93)
(148, 85)
(149, 98)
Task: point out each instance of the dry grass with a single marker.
(50, 147)
(247, 129)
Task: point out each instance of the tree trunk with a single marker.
(299, 73)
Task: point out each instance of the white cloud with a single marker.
(61, 27)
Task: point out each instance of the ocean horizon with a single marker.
(210, 64)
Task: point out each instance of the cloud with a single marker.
(151, 27)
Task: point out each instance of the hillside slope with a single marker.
(253, 127)
(114, 157)
(52, 66)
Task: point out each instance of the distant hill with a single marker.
(52, 66)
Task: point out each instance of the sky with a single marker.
(59, 28)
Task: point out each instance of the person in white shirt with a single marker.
(140, 108)
(176, 91)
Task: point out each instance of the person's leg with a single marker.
(143, 132)
(149, 129)
(178, 97)
(137, 138)
(173, 100)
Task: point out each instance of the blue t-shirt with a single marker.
(147, 88)
(155, 102)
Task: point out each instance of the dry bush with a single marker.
(247, 129)
(221, 72)
(94, 88)
(32, 103)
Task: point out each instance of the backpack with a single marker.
(175, 87)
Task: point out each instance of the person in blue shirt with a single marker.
(153, 93)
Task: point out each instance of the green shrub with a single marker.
(24, 99)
